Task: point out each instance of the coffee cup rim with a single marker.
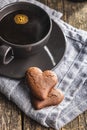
(28, 44)
(33, 44)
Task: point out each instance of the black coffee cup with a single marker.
(24, 28)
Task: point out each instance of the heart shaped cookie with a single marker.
(40, 83)
(54, 98)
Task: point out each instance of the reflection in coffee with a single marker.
(22, 34)
(21, 19)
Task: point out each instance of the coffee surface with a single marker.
(30, 32)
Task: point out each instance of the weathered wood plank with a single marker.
(75, 14)
(82, 123)
(10, 115)
(75, 124)
(56, 4)
(30, 124)
(85, 116)
(43, 1)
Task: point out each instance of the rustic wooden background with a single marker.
(11, 118)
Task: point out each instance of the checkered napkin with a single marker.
(72, 75)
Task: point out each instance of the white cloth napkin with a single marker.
(71, 72)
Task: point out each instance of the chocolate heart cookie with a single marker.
(55, 96)
(40, 83)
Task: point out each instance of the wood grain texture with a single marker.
(56, 4)
(30, 124)
(75, 14)
(10, 115)
(43, 1)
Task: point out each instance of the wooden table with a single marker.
(11, 118)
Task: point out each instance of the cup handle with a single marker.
(6, 54)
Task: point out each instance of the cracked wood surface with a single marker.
(11, 118)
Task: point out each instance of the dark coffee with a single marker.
(31, 31)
